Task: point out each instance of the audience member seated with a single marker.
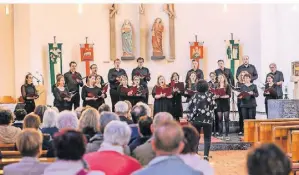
(189, 154)
(79, 111)
(20, 115)
(88, 123)
(40, 110)
(130, 108)
(144, 153)
(110, 158)
(104, 107)
(268, 159)
(29, 143)
(168, 142)
(137, 112)
(65, 120)
(122, 110)
(69, 148)
(148, 109)
(49, 123)
(95, 142)
(8, 133)
(145, 133)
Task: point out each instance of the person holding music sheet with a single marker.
(123, 89)
(73, 81)
(277, 78)
(114, 75)
(270, 90)
(163, 96)
(94, 71)
(54, 85)
(140, 95)
(222, 97)
(225, 71)
(99, 81)
(190, 87)
(241, 118)
(144, 75)
(213, 85)
(200, 113)
(247, 67)
(248, 94)
(62, 96)
(29, 93)
(199, 73)
(178, 91)
(91, 94)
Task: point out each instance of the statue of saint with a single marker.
(157, 37)
(127, 39)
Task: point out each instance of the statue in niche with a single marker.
(127, 39)
(157, 39)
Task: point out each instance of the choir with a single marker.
(167, 96)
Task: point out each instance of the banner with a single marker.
(196, 50)
(55, 58)
(86, 52)
(232, 55)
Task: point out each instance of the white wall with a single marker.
(212, 25)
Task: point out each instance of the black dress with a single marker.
(92, 92)
(177, 107)
(273, 94)
(140, 96)
(123, 95)
(59, 101)
(191, 87)
(223, 104)
(162, 104)
(28, 90)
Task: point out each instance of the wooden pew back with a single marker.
(295, 146)
(7, 147)
(6, 161)
(17, 154)
(281, 135)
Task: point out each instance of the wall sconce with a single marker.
(80, 9)
(6, 9)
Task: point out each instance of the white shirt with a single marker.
(194, 161)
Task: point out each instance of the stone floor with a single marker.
(228, 162)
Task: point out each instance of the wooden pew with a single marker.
(295, 146)
(17, 154)
(266, 129)
(251, 127)
(6, 161)
(1, 172)
(281, 135)
(7, 147)
(295, 168)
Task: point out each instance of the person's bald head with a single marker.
(168, 139)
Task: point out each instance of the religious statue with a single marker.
(235, 52)
(127, 39)
(196, 53)
(113, 10)
(157, 38)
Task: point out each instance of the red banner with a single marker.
(86, 52)
(196, 51)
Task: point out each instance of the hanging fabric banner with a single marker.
(55, 60)
(232, 54)
(196, 51)
(87, 55)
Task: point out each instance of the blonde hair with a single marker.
(31, 121)
(240, 76)
(29, 142)
(121, 79)
(159, 78)
(130, 108)
(225, 81)
(59, 77)
(89, 118)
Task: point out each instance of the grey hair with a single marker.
(55, 109)
(117, 133)
(161, 117)
(148, 109)
(105, 118)
(50, 118)
(67, 119)
(272, 64)
(121, 108)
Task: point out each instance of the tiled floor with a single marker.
(228, 162)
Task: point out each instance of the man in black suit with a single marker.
(225, 71)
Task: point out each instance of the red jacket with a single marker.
(112, 162)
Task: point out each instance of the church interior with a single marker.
(263, 33)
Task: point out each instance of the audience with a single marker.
(144, 153)
(116, 136)
(40, 110)
(148, 109)
(104, 107)
(130, 108)
(189, 154)
(20, 115)
(69, 146)
(29, 143)
(137, 112)
(96, 141)
(88, 123)
(79, 111)
(8, 133)
(67, 119)
(168, 142)
(31, 121)
(122, 110)
(268, 159)
(49, 123)
(145, 133)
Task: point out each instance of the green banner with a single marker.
(55, 59)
